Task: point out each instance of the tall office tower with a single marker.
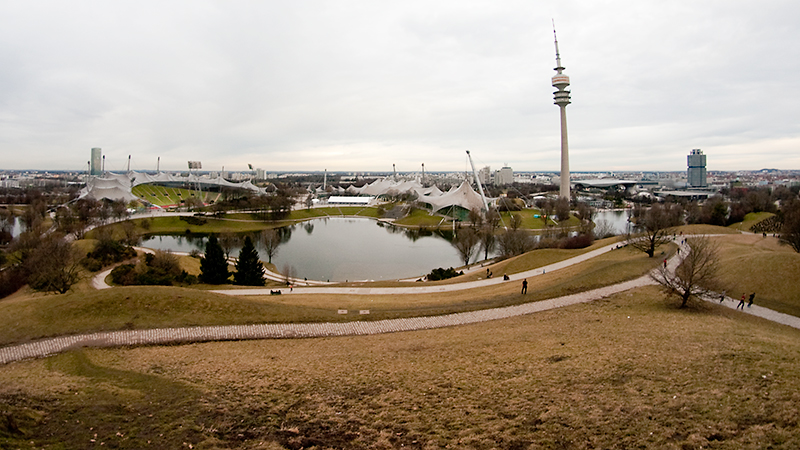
(560, 82)
(504, 176)
(696, 174)
(96, 164)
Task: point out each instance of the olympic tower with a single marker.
(560, 82)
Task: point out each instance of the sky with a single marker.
(359, 85)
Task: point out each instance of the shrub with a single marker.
(579, 241)
(107, 252)
(443, 274)
(124, 275)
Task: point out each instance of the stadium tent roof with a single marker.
(112, 188)
(463, 196)
(118, 186)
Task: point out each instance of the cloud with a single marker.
(359, 85)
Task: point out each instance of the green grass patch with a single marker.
(705, 229)
(629, 371)
(751, 219)
(423, 218)
(166, 196)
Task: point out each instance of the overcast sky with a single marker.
(361, 85)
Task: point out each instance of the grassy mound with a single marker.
(761, 265)
(749, 220)
(630, 371)
(133, 307)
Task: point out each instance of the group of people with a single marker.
(741, 300)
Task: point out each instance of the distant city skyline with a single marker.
(357, 86)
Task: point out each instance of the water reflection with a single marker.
(616, 219)
(343, 249)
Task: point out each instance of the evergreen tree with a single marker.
(249, 270)
(214, 266)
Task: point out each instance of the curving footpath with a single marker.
(56, 345)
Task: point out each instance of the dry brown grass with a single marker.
(630, 371)
(31, 315)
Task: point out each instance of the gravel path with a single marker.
(52, 346)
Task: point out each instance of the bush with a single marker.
(124, 275)
(92, 264)
(443, 274)
(11, 280)
(579, 241)
(107, 252)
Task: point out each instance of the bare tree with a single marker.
(585, 213)
(487, 232)
(655, 227)
(475, 217)
(131, 234)
(466, 242)
(790, 230)
(289, 273)
(515, 242)
(603, 229)
(562, 209)
(695, 275)
(270, 240)
(54, 266)
(228, 241)
(546, 207)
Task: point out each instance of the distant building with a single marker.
(696, 175)
(485, 175)
(261, 174)
(504, 176)
(96, 165)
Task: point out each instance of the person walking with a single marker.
(750, 303)
(741, 303)
(722, 297)
(525, 286)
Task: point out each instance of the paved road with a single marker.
(52, 346)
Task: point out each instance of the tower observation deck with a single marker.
(562, 99)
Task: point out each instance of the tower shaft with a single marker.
(564, 186)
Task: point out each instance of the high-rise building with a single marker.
(560, 82)
(696, 174)
(504, 176)
(96, 162)
(485, 175)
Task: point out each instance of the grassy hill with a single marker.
(630, 371)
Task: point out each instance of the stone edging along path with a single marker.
(56, 345)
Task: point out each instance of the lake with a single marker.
(344, 249)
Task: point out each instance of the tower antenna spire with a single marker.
(559, 68)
